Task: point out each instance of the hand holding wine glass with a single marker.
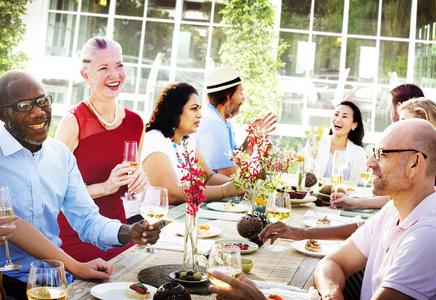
(47, 280)
(224, 259)
(154, 205)
(131, 157)
(278, 209)
(6, 210)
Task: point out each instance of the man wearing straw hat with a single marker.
(215, 137)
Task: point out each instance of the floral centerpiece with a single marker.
(314, 135)
(259, 170)
(192, 183)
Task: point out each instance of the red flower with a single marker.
(193, 181)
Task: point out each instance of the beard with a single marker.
(20, 136)
(232, 111)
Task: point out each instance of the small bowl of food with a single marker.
(297, 194)
(247, 264)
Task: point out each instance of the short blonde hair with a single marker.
(422, 108)
(92, 46)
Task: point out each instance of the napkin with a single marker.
(310, 214)
(175, 243)
(216, 215)
(287, 292)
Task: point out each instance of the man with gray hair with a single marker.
(215, 138)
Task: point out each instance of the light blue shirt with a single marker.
(43, 183)
(215, 139)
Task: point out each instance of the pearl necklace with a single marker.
(101, 119)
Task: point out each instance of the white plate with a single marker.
(203, 279)
(213, 231)
(312, 222)
(327, 247)
(115, 290)
(219, 206)
(305, 200)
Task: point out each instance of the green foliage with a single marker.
(12, 30)
(251, 48)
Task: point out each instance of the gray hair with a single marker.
(92, 46)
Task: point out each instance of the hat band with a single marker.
(237, 79)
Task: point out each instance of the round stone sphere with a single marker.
(249, 226)
(171, 291)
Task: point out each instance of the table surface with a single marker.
(290, 267)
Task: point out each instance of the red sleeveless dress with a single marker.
(99, 150)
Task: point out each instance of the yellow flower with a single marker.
(300, 158)
(259, 201)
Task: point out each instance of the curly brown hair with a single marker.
(169, 107)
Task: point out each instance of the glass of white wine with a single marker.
(6, 210)
(130, 156)
(365, 175)
(336, 179)
(47, 280)
(154, 206)
(225, 259)
(278, 209)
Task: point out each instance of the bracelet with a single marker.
(224, 194)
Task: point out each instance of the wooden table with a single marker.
(129, 263)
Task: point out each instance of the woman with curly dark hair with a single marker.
(346, 133)
(175, 116)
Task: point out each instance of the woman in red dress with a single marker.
(95, 131)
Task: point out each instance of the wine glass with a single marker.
(225, 259)
(6, 210)
(365, 175)
(337, 179)
(47, 280)
(154, 206)
(131, 157)
(278, 209)
(340, 159)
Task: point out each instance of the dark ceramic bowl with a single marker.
(297, 194)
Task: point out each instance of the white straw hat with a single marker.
(221, 78)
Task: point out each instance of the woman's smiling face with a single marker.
(342, 121)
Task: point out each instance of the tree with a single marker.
(12, 30)
(253, 49)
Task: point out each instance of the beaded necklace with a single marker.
(101, 119)
(177, 152)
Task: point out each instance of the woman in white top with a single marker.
(346, 133)
(177, 115)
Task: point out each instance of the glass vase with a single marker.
(190, 244)
(301, 175)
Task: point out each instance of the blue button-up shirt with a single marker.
(215, 139)
(43, 183)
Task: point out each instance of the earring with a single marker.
(174, 128)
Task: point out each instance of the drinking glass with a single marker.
(278, 209)
(131, 157)
(336, 179)
(6, 210)
(47, 280)
(340, 159)
(154, 206)
(365, 175)
(225, 259)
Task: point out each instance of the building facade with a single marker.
(338, 49)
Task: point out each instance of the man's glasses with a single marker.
(26, 105)
(378, 152)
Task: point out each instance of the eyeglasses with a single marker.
(378, 152)
(26, 105)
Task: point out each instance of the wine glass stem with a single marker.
(8, 256)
